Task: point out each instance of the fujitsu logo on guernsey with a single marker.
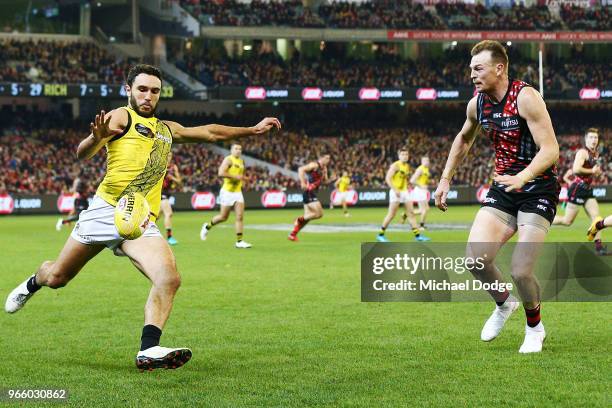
(509, 122)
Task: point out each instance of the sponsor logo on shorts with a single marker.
(542, 207)
(489, 200)
(543, 200)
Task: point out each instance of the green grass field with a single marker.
(282, 324)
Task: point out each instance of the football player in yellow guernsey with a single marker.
(343, 185)
(420, 193)
(397, 179)
(138, 150)
(230, 196)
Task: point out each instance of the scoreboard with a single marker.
(84, 90)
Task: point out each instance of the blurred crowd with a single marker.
(263, 67)
(40, 157)
(63, 62)
(399, 14)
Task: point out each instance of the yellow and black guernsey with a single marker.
(236, 168)
(137, 160)
(344, 183)
(400, 178)
(423, 179)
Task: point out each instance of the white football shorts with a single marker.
(228, 198)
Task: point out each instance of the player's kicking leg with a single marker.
(54, 274)
(153, 257)
(490, 230)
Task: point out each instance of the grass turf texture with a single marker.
(282, 324)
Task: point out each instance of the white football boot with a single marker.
(18, 297)
(494, 325)
(162, 357)
(534, 338)
(243, 244)
(204, 231)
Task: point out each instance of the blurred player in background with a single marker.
(81, 203)
(597, 225)
(232, 170)
(172, 181)
(580, 191)
(138, 152)
(420, 192)
(343, 185)
(311, 175)
(397, 180)
(525, 191)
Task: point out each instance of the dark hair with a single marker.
(498, 52)
(592, 130)
(142, 69)
(403, 149)
(323, 153)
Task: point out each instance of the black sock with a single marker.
(598, 244)
(209, 225)
(600, 225)
(416, 232)
(169, 232)
(32, 285)
(239, 237)
(150, 337)
(382, 231)
(422, 224)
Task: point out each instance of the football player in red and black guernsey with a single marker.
(525, 191)
(172, 181)
(312, 175)
(580, 191)
(81, 203)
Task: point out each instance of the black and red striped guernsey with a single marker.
(315, 178)
(511, 137)
(589, 163)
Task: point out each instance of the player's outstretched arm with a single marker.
(216, 133)
(104, 127)
(532, 108)
(459, 149)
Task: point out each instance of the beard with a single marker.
(134, 105)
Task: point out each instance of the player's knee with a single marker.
(239, 217)
(169, 280)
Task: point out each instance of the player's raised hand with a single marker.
(100, 128)
(266, 125)
(441, 194)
